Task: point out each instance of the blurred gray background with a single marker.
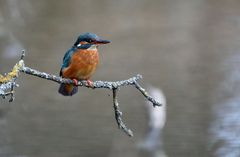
(188, 48)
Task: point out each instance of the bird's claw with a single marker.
(90, 83)
(75, 82)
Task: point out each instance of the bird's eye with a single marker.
(90, 41)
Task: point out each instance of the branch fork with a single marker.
(8, 82)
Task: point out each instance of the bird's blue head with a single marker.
(86, 40)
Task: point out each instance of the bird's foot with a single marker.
(75, 82)
(90, 83)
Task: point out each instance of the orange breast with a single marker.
(83, 64)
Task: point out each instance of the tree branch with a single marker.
(8, 82)
(118, 114)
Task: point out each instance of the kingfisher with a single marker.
(80, 62)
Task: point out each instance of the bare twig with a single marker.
(147, 96)
(118, 114)
(8, 82)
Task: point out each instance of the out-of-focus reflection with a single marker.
(157, 118)
(225, 130)
(11, 15)
(13, 48)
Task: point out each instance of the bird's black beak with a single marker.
(101, 41)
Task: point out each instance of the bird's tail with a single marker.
(67, 89)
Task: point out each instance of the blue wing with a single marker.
(67, 58)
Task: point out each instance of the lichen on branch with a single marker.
(12, 74)
(8, 82)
